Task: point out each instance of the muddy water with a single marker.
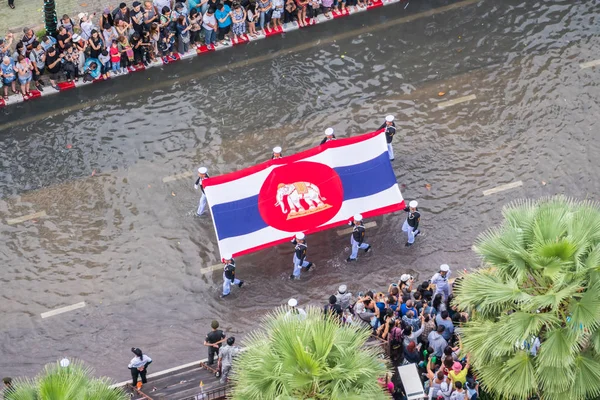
(129, 245)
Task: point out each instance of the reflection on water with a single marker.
(129, 245)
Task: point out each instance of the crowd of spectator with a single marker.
(417, 324)
(92, 47)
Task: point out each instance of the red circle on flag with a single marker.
(300, 196)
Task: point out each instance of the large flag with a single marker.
(316, 189)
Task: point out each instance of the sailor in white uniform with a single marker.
(276, 153)
(357, 238)
(440, 280)
(229, 275)
(300, 255)
(411, 224)
(328, 136)
(390, 131)
(202, 174)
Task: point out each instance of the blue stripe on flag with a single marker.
(367, 178)
(242, 217)
(237, 217)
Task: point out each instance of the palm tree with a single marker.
(307, 358)
(536, 303)
(58, 382)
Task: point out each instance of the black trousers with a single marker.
(11, 2)
(135, 373)
(212, 352)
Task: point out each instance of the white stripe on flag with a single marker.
(349, 208)
(248, 186)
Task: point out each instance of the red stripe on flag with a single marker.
(232, 176)
(367, 214)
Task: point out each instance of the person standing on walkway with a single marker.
(440, 280)
(411, 225)
(139, 366)
(226, 356)
(229, 275)
(357, 239)
(202, 175)
(299, 259)
(11, 4)
(328, 136)
(213, 341)
(390, 131)
(276, 153)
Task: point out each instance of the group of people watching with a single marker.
(94, 46)
(417, 324)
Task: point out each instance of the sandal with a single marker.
(12, 6)
(5, 98)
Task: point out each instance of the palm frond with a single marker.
(586, 382)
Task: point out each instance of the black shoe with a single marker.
(41, 83)
(368, 249)
(391, 159)
(240, 284)
(40, 88)
(350, 259)
(225, 295)
(292, 277)
(408, 244)
(309, 266)
(418, 233)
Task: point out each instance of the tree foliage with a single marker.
(66, 383)
(312, 358)
(541, 279)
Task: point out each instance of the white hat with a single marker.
(300, 236)
(389, 118)
(202, 170)
(405, 278)
(328, 131)
(65, 362)
(413, 204)
(292, 302)
(76, 37)
(444, 268)
(227, 257)
(342, 289)
(277, 149)
(358, 217)
(82, 14)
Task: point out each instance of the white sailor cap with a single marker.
(76, 37)
(444, 268)
(389, 118)
(358, 217)
(342, 289)
(329, 132)
(405, 278)
(202, 170)
(277, 149)
(227, 257)
(300, 236)
(292, 302)
(413, 204)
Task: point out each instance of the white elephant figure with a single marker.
(297, 191)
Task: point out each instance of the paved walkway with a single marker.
(30, 13)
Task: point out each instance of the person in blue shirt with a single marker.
(9, 75)
(223, 15)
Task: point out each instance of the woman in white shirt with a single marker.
(139, 366)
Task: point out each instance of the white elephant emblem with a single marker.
(309, 192)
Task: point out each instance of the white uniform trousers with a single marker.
(356, 246)
(409, 231)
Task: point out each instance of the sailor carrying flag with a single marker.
(202, 174)
(357, 239)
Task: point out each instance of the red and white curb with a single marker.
(203, 49)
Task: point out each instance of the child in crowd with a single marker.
(277, 13)
(126, 54)
(115, 57)
(104, 59)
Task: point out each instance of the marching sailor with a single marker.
(440, 280)
(357, 239)
(390, 131)
(411, 225)
(202, 175)
(229, 275)
(328, 136)
(276, 153)
(300, 255)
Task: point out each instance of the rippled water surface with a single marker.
(129, 245)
